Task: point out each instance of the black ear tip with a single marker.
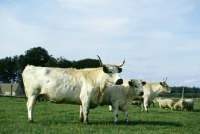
(119, 69)
(130, 83)
(105, 69)
(143, 82)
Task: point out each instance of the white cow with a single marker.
(121, 97)
(82, 87)
(187, 104)
(165, 103)
(151, 91)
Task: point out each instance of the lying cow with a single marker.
(186, 104)
(121, 97)
(152, 90)
(83, 87)
(166, 103)
(137, 101)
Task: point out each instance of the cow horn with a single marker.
(165, 80)
(101, 64)
(121, 64)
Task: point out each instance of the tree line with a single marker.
(11, 67)
(189, 92)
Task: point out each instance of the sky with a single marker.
(157, 38)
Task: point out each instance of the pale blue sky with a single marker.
(157, 38)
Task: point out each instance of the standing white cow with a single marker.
(165, 103)
(82, 87)
(151, 91)
(120, 97)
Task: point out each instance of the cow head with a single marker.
(137, 85)
(112, 72)
(165, 86)
(179, 104)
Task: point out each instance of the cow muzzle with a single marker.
(141, 93)
(119, 82)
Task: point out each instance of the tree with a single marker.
(63, 63)
(52, 62)
(11, 68)
(86, 63)
(36, 56)
(8, 70)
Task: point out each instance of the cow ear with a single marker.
(119, 69)
(161, 83)
(130, 83)
(143, 83)
(105, 69)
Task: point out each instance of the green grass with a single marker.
(53, 118)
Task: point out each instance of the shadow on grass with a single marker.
(131, 123)
(196, 110)
(139, 122)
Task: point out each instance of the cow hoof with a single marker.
(126, 122)
(81, 119)
(30, 121)
(86, 123)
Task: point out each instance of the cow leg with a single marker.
(146, 104)
(142, 107)
(146, 108)
(85, 109)
(171, 108)
(115, 112)
(81, 114)
(85, 115)
(30, 105)
(126, 116)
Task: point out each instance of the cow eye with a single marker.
(135, 86)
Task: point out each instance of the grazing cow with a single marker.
(83, 87)
(166, 103)
(151, 91)
(179, 104)
(186, 104)
(120, 97)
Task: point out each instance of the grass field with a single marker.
(50, 118)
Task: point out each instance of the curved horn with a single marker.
(165, 79)
(101, 64)
(121, 64)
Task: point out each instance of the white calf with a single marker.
(121, 97)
